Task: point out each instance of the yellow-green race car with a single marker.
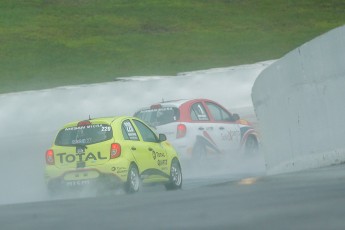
(108, 153)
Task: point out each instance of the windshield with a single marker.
(159, 116)
(84, 135)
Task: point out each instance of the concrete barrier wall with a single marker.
(299, 103)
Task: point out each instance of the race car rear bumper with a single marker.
(102, 182)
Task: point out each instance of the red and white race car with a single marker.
(199, 128)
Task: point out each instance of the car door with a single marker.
(201, 125)
(139, 149)
(226, 133)
(156, 157)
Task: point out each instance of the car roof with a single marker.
(175, 103)
(107, 120)
(172, 103)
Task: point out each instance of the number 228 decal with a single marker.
(106, 128)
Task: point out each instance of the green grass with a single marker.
(48, 43)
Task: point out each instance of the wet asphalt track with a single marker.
(313, 199)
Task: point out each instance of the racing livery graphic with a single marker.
(110, 152)
(201, 127)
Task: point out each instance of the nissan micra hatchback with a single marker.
(201, 128)
(111, 152)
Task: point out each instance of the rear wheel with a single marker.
(251, 146)
(175, 181)
(133, 180)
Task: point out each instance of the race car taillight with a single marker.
(181, 131)
(115, 150)
(50, 157)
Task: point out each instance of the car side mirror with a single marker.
(235, 116)
(162, 137)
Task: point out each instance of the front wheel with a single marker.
(175, 181)
(133, 180)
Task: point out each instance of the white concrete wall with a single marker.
(299, 103)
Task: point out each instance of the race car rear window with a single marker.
(159, 116)
(84, 135)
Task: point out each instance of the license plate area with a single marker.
(77, 183)
(81, 175)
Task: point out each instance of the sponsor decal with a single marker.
(119, 170)
(230, 135)
(79, 157)
(163, 109)
(77, 183)
(122, 171)
(162, 162)
(104, 128)
(130, 130)
(82, 141)
(157, 155)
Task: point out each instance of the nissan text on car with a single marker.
(111, 152)
(199, 128)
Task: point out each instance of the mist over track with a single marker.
(31, 119)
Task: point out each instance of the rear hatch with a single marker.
(83, 145)
(162, 118)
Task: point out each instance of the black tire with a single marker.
(175, 179)
(251, 146)
(133, 182)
